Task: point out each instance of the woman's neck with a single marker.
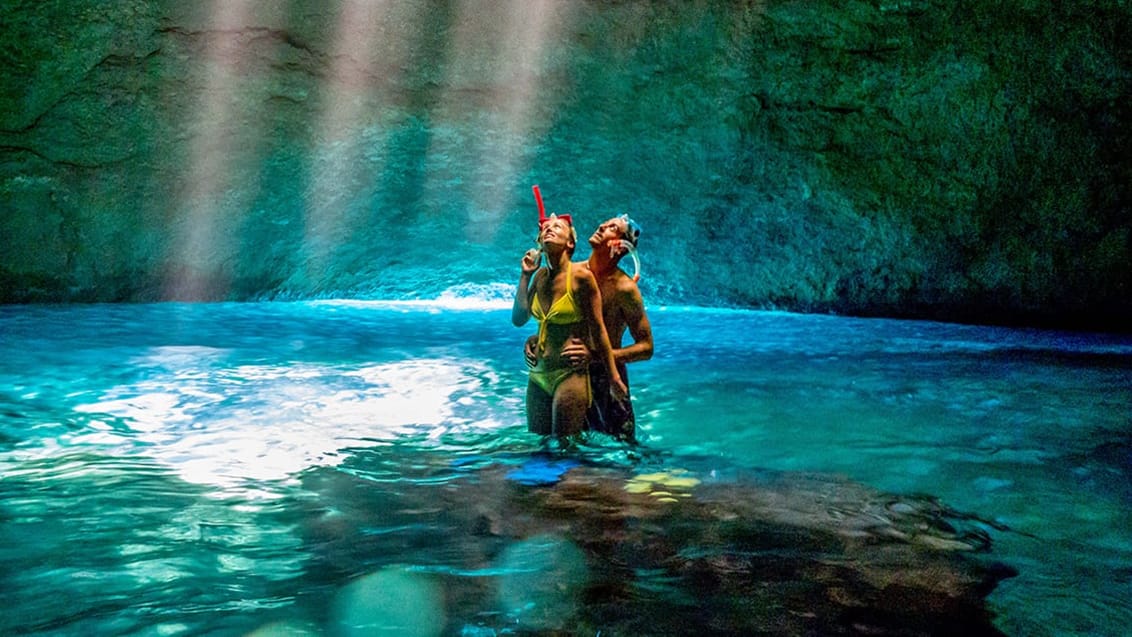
(557, 260)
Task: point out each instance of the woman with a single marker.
(567, 304)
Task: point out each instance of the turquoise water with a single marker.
(179, 469)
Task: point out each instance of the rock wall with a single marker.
(959, 161)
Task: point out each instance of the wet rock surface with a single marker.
(665, 552)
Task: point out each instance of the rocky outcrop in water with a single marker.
(911, 158)
(552, 546)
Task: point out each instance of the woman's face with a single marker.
(556, 231)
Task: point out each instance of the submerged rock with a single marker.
(600, 550)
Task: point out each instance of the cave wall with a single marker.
(950, 160)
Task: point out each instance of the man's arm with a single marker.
(637, 321)
(632, 308)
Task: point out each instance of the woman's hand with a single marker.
(530, 261)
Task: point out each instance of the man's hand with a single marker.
(530, 351)
(618, 388)
(576, 354)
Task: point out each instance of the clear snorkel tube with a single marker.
(632, 230)
(632, 251)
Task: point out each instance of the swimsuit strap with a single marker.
(536, 306)
(546, 316)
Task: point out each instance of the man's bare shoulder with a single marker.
(625, 282)
(626, 288)
(617, 281)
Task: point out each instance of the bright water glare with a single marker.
(187, 469)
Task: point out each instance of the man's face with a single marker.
(611, 229)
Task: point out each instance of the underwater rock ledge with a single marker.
(667, 553)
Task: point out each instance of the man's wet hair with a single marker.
(632, 230)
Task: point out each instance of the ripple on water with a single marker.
(168, 471)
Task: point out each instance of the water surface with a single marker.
(171, 469)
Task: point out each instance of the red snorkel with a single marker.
(629, 247)
(542, 209)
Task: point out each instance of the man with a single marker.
(623, 309)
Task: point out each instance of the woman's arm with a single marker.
(590, 298)
(521, 307)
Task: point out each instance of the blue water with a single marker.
(159, 464)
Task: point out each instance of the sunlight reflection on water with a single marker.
(210, 460)
(228, 426)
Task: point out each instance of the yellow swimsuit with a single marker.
(564, 311)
